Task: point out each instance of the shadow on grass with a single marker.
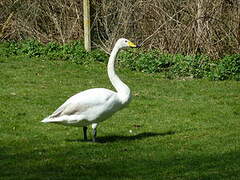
(115, 138)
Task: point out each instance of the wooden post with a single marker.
(86, 20)
(238, 23)
(200, 24)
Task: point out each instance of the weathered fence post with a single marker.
(200, 15)
(87, 30)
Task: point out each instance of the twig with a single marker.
(156, 31)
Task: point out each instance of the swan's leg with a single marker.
(94, 126)
(84, 133)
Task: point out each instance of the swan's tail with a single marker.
(50, 120)
(66, 120)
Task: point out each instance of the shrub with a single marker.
(150, 62)
(190, 66)
(173, 66)
(73, 51)
(228, 68)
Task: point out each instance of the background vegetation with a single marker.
(171, 66)
(209, 27)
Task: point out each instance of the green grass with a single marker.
(181, 129)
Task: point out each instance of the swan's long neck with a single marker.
(122, 89)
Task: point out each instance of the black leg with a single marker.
(84, 133)
(94, 134)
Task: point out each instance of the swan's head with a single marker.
(125, 43)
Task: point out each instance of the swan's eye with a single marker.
(126, 41)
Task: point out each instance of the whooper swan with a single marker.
(95, 105)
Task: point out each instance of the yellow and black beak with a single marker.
(130, 44)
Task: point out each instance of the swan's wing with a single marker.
(82, 101)
(69, 108)
(59, 110)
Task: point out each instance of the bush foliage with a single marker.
(175, 26)
(73, 51)
(171, 65)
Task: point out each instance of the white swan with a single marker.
(95, 105)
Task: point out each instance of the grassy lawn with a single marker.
(181, 129)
